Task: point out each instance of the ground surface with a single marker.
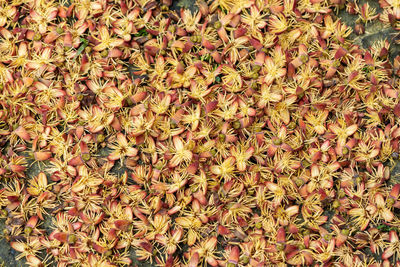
(374, 31)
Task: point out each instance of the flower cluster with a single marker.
(247, 133)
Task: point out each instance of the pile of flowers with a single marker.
(247, 133)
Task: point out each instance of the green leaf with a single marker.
(383, 228)
(141, 32)
(81, 47)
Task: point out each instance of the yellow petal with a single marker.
(42, 180)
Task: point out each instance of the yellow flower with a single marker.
(106, 41)
(273, 71)
(268, 95)
(86, 179)
(231, 79)
(379, 210)
(242, 154)
(225, 169)
(183, 80)
(317, 120)
(181, 154)
(38, 184)
(342, 132)
(278, 23)
(122, 149)
(255, 19)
